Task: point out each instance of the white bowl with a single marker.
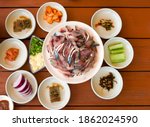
(40, 14)
(129, 53)
(103, 93)
(13, 16)
(43, 94)
(11, 104)
(13, 94)
(106, 13)
(86, 76)
(21, 58)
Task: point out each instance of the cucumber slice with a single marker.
(117, 51)
(115, 46)
(117, 58)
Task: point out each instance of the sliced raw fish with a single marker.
(72, 50)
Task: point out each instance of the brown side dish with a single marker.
(22, 23)
(54, 92)
(4, 105)
(106, 23)
(107, 82)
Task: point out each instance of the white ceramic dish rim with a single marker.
(32, 20)
(35, 88)
(51, 77)
(102, 50)
(11, 104)
(49, 4)
(105, 98)
(107, 9)
(128, 43)
(26, 56)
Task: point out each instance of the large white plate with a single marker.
(85, 76)
(43, 94)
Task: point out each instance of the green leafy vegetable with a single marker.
(36, 46)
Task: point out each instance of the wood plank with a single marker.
(87, 108)
(140, 62)
(135, 90)
(133, 25)
(77, 3)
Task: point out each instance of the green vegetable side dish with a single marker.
(117, 58)
(35, 46)
(117, 53)
(115, 46)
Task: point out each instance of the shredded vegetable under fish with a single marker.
(72, 50)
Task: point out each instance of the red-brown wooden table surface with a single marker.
(135, 15)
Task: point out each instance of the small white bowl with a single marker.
(11, 104)
(106, 13)
(40, 14)
(21, 58)
(44, 98)
(13, 94)
(13, 16)
(129, 53)
(103, 93)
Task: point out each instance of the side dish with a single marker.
(117, 52)
(52, 15)
(72, 51)
(11, 54)
(22, 23)
(4, 105)
(107, 82)
(22, 85)
(54, 92)
(36, 58)
(106, 23)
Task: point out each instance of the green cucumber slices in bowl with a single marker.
(118, 52)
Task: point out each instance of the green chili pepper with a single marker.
(36, 46)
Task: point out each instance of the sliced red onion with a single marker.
(20, 80)
(26, 87)
(29, 91)
(22, 86)
(29, 87)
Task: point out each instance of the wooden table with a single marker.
(135, 15)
